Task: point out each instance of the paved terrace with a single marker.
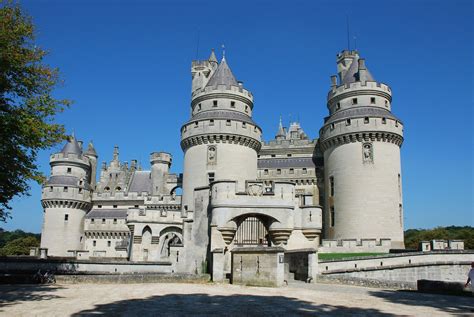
(222, 300)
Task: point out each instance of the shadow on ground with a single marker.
(232, 305)
(446, 303)
(13, 294)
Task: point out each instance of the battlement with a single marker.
(160, 158)
(336, 91)
(355, 245)
(235, 90)
(346, 53)
(200, 64)
(68, 158)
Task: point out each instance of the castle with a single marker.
(237, 191)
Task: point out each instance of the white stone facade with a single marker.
(237, 191)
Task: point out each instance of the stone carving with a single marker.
(255, 189)
(211, 154)
(367, 153)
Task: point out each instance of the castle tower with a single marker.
(66, 198)
(221, 140)
(361, 142)
(160, 165)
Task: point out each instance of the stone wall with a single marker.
(258, 266)
(405, 267)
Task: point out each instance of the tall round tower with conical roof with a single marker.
(221, 140)
(66, 198)
(361, 141)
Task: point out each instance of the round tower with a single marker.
(221, 140)
(66, 198)
(160, 164)
(361, 142)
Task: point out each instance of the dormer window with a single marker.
(354, 101)
(214, 103)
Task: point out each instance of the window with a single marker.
(265, 171)
(50, 188)
(244, 125)
(99, 206)
(115, 206)
(136, 206)
(65, 189)
(288, 155)
(279, 171)
(354, 101)
(94, 243)
(386, 103)
(348, 122)
(396, 123)
(69, 170)
(372, 100)
(331, 186)
(80, 190)
(246, 108)
(199, 107)
(332, 216)
(115, 221)
(305, 171)
(366, 120)
(118, 188)
(273, 155)
(338, 106)
(211, 122)
(384, 120)
(227, 122)
(107, 188)
(66, 217)
(332, 126)
(232, 104)
(92, 220)
(103, 220)
(214, 103)
(196, 124)
(211, 176)
(109, 243)
(292, 170)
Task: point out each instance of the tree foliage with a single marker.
(17, 242)
(27, 106)
(414, 236)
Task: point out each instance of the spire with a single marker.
(281, 130)
(222, 76)
(91, 150)
(72, 146)
(212, 57)
(116, 153)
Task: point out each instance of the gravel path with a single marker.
(222, 300)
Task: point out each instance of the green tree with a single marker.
(27, 106)
(20, 246)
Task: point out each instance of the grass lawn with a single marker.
(337, 256)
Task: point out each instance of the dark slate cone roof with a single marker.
(222, 76)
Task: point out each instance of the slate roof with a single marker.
(72, 146)
(107, 213)
(353, 75)
(286, 162)
(223, 115)
(66, 180)
(222, 76)
(141, 182)
(359, 112)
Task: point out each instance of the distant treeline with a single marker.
(17, 242)
(414, 236)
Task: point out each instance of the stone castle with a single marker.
(236, 190)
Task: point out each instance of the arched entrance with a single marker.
(252, 231)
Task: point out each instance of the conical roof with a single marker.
(72, 146)
(353, 74)
(281, 130)
(212, 57)
(222, 76)
(91, 150)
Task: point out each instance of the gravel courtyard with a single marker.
(222, 300)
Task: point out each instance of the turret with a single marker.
(91, 154)
(361, 142)
(66, 198)
(160, 165)
(221, 140)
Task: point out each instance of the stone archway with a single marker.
(252, 230)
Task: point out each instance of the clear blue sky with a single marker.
(126, 65)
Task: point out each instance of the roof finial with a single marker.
(73, 134)
(223, 52)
